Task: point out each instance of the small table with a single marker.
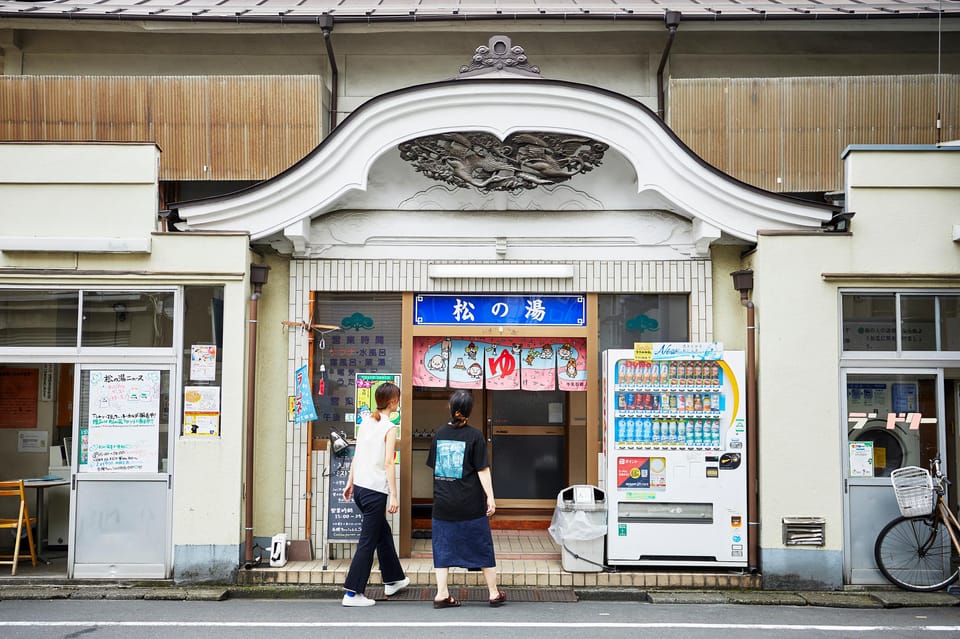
(40, 484)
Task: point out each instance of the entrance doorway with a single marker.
(527, 433)
(895, 420)
(121, 489)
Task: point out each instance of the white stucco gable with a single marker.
(358, 168)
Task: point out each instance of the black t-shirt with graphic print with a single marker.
(456, 455)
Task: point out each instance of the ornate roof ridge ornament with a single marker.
(499, 56)
(525, 160)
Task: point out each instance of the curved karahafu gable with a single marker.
(668, 176)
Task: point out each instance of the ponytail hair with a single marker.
(386, 393)
(461, 405)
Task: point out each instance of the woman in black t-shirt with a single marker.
(462, 503)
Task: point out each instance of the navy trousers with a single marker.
(375, 535)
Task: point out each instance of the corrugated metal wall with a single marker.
(787, 134)
(209, 128)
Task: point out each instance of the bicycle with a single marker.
(914, 550)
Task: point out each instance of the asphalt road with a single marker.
(326, 619)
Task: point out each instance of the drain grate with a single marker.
(478, 595)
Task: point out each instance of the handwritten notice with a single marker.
(124, 421)
(343, 517)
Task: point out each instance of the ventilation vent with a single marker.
(804, 531)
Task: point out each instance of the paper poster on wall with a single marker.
(201, 411)
(46, 382)
(203, 362)
(905, 397)
(538, 366)
(124, 421)
(366, 401)
(466, 369)
(19, 390)
(572, 364)
(32, 441)
(861, 459)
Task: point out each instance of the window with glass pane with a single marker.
(892, 422)
(38, 318)
(202, 360)
(139, 319)
(918, 327)
(949, 322)
(869, 322)
(368, 341)
(625, 319)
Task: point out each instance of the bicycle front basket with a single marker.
(913, 487)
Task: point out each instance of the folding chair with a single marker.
(15, 489)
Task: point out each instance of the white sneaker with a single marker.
(356, 599)
(396, 586)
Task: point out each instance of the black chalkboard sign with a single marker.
(343, 517)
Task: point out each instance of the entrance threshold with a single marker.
(540, 567)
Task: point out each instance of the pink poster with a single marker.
(466, 364)
(502, 364)
(572, 364)
(538, 365)
(429, 362)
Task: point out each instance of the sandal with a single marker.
(449, 602)
(499, 600)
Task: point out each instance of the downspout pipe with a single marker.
(258, 277)
(743, 282)
(672, 20)
(326, 26)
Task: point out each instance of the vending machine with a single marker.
(675, 446)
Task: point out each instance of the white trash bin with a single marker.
(579, 527)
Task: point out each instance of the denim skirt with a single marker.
(463, 544)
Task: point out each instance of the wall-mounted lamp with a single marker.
(338, 443)
(743, 280)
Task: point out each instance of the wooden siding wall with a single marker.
(787, 134)
(208, 128)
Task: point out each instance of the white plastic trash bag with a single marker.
(577, 525)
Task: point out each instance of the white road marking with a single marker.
(461, 624)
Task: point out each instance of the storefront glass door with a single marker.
(527, 435)
(121, 488)
(894, 419)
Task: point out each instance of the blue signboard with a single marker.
(500, 310)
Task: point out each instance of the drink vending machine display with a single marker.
(675, 446)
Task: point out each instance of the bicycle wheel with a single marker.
(915, 554)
